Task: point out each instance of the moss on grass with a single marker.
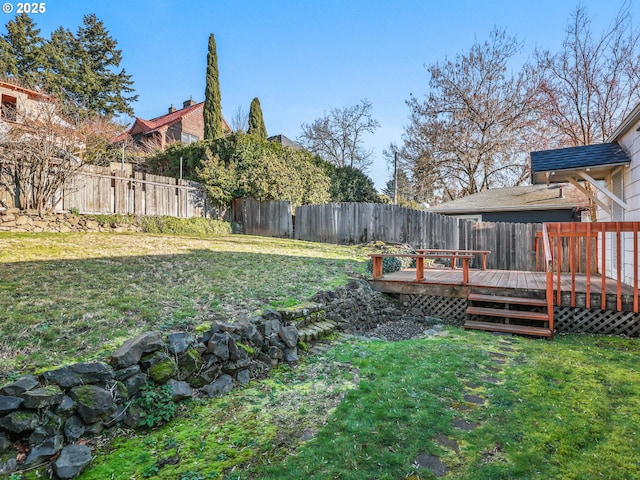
(74, 297)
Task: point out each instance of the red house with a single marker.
(185, 125)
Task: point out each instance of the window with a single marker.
(188, 138)
(8, 111)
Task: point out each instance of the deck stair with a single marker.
(508, 314)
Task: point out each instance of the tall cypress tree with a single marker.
(212, 104)
(256, 120)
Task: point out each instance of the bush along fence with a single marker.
(42, 417)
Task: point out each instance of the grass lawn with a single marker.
(567, 409)
(69, 297)
(469, 404)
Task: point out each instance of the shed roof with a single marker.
(523, 198)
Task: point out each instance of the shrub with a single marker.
(194, 225)
(392, 264)
(156, 405)
(166, 224)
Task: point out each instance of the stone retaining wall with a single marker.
(44, 415)
(15, 220)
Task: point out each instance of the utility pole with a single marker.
(395, 178)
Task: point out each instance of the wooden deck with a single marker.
(449, 283)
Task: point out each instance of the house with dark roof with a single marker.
(185, 125)
(524, 204)
(612, 170)
(601, 165)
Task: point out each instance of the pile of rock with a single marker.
(357, 309)
(15, 220)
(40, 415)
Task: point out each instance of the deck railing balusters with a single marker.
(548, 262)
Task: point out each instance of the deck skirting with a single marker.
(601, 322)
(452, 310)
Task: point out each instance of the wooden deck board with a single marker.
(438, 280)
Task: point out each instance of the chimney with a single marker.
(172, 109)
(188, 103)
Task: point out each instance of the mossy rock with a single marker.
(250, 350)
(189, 362)
(93, 403)
(163, 371)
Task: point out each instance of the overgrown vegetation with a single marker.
(241, 165)
(391, 264)
(566, 409)
(156, 405)
(68, 297)
(370, 409)
(166, 224)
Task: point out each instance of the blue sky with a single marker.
(301, 58)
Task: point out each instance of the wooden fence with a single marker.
(101, 190)
(512, 245)
(266, 219)
(351, 223)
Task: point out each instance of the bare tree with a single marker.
(240, 120)
(474, 129)
(338, 136)
(39, 155)
(593, 82)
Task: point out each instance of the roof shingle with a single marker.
(528, 197)
(578, 157)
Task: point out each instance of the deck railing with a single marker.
(596, 249)
(548, 266)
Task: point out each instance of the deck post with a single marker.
(419, 269)
(377, 267)
(588, 263)
(465, 270)
(619, 271)
(636, 267)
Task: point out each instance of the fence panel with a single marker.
(267, 219)
(512, 245)
(353, 223)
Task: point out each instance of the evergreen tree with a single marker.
(212, 103)
(21, 52)
(82, 69)
(405, 189)
(349, 184)
(98, 88)
(256, 120)
(61, 68)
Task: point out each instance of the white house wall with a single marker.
(630, 141)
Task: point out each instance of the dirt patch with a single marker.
(404, 329)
